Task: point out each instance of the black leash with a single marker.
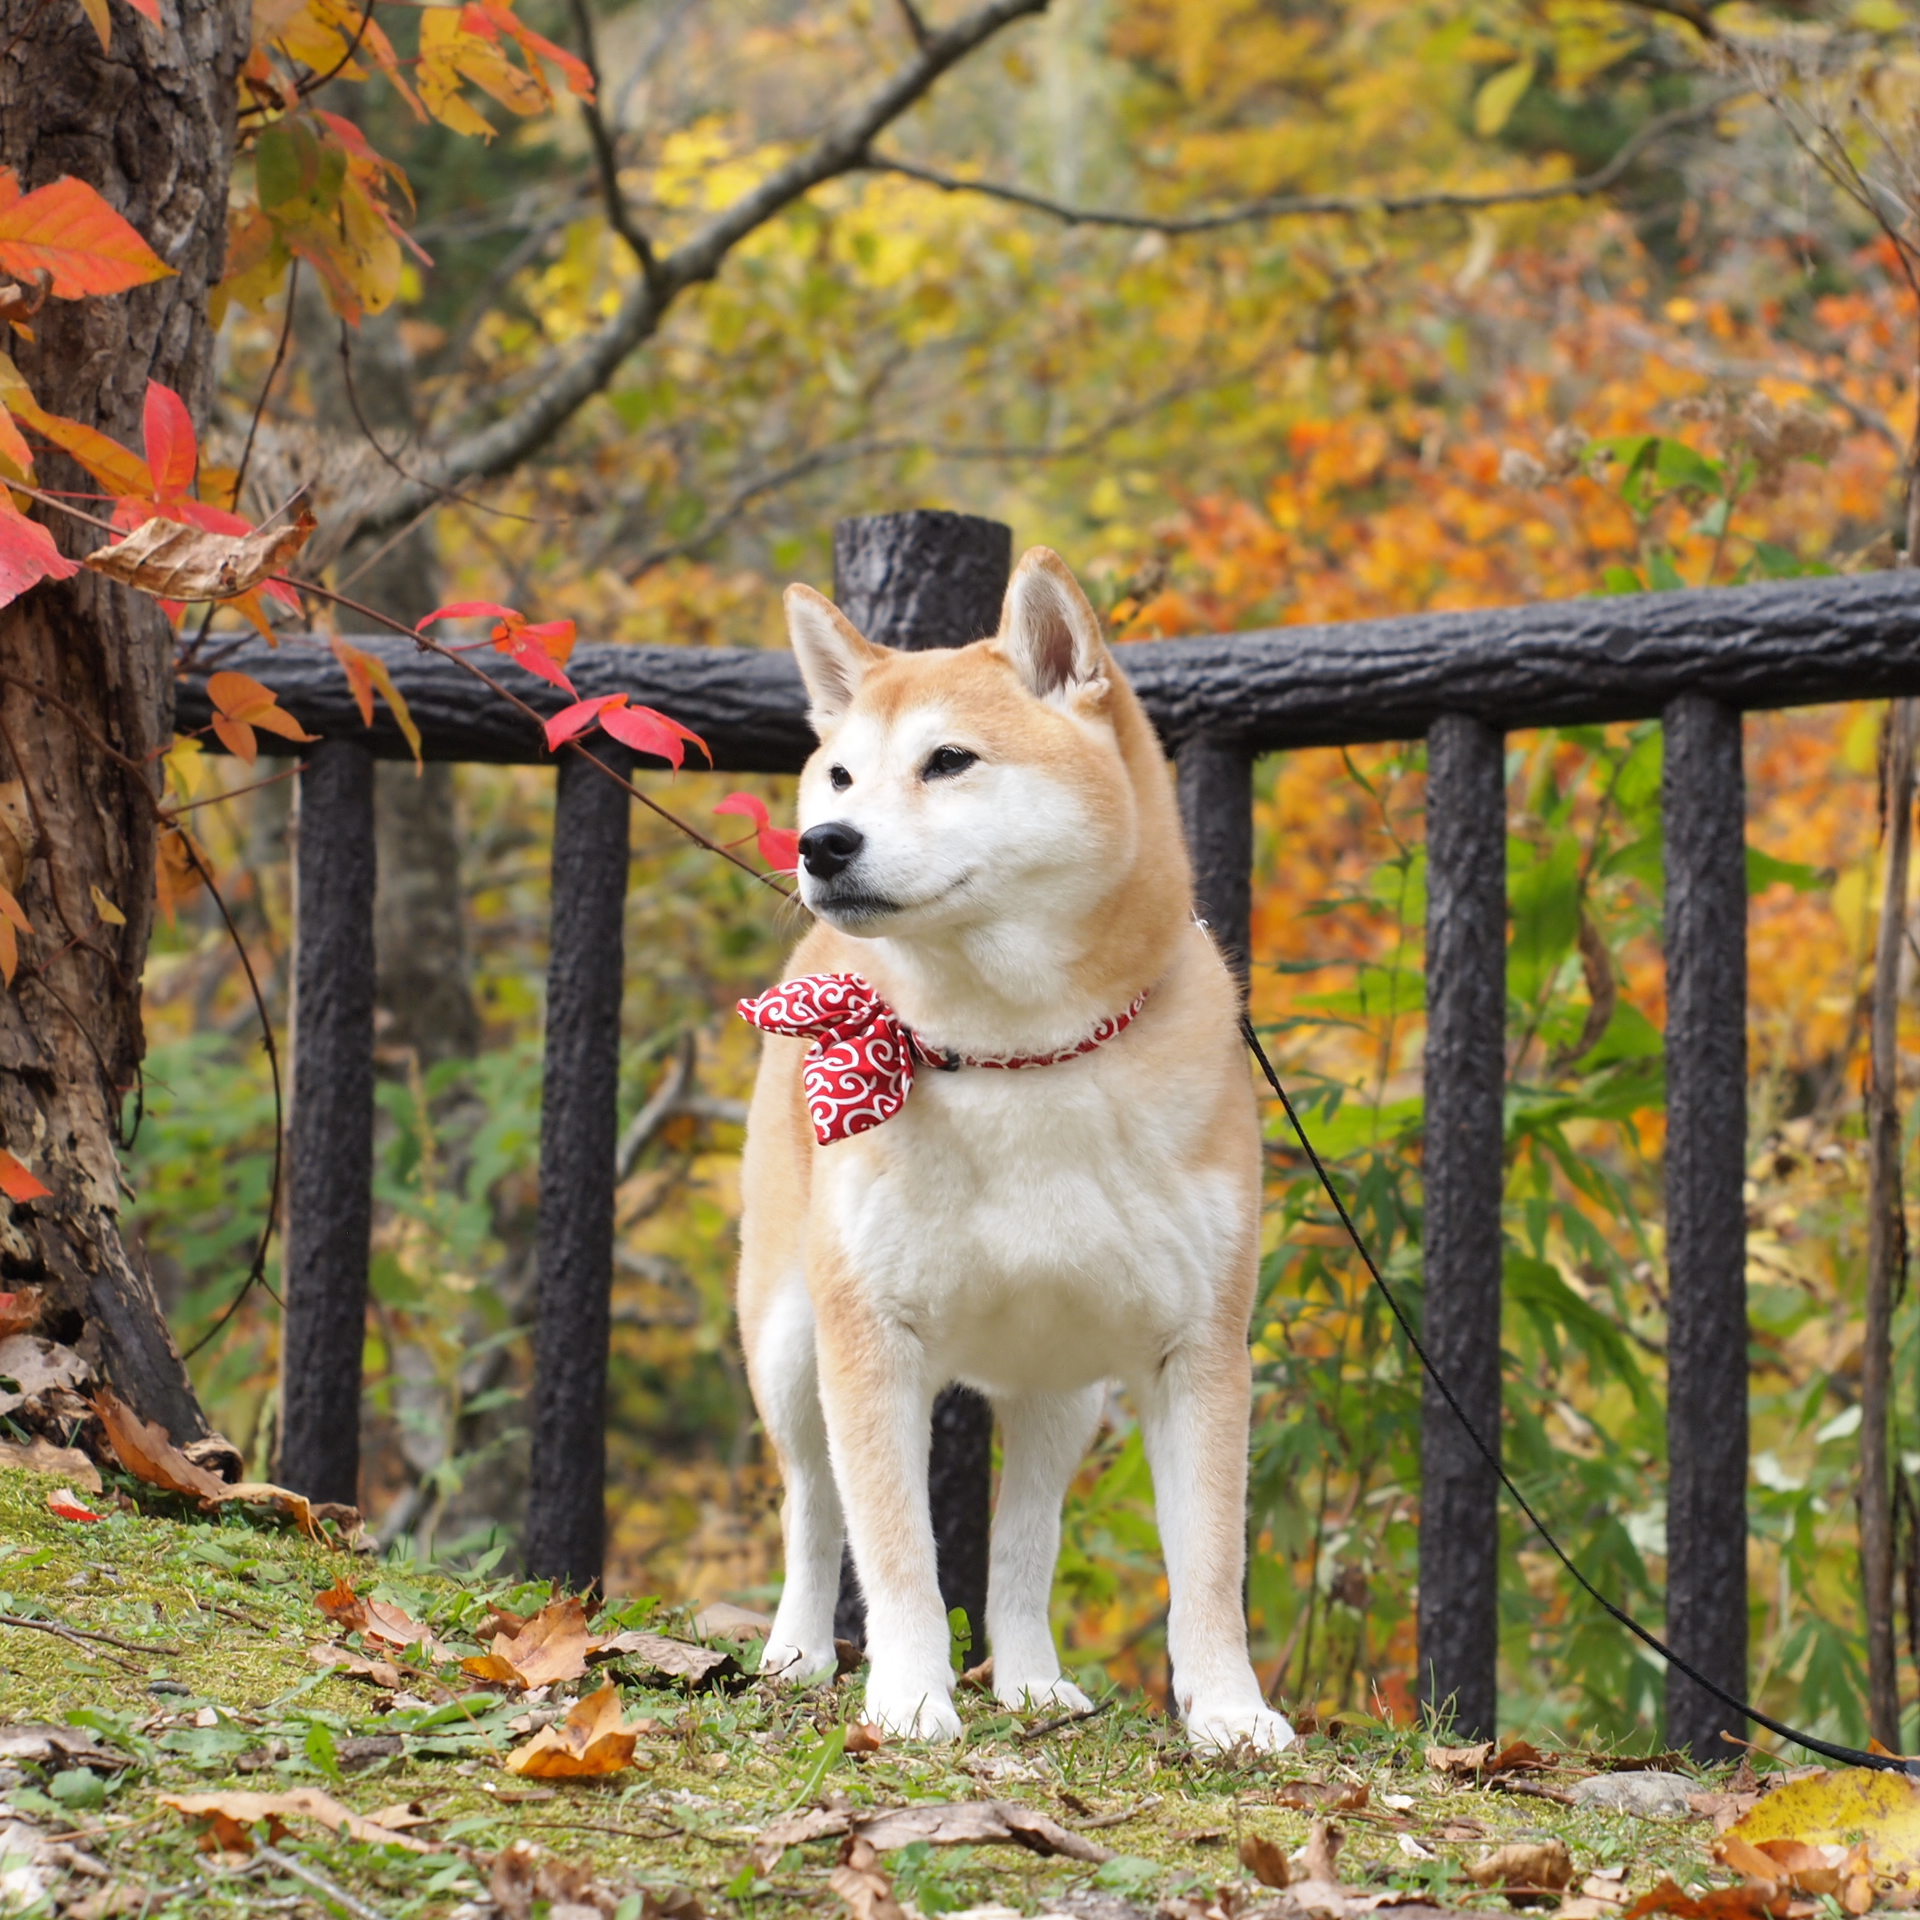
(1847, 1756)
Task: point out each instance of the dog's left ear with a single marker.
(1047, 628)
(833, 658)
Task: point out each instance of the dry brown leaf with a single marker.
(1524, 1867)
(523, 1882)
(232, 1814)
(1458, 1760)
(1265, 1859)
(676, 1659)
(36, 1745)
(188, 563)
(863, 1737)
(42, 1456)
(1723, 1809)
(383, 1673)
(590, 1741)
(724, 1621)
(1323, 1796)
(19, 1310)
(400, 1816)
(795, 1830)
(552, 1646)
(342, 1605)
(1322, 1851)
(263, 1493)
(145, 1451)
(858, 1881)
(1744, 1902)
(975, 1823)
(1516, 1756)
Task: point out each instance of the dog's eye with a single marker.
(841, 778)
(947, 761)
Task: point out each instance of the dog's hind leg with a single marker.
(786, 1388)
(1043, 1438)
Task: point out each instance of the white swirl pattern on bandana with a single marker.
(859, 1070)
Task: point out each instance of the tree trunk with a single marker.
(151, 127)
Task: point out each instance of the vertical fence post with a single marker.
(1703, 804)
(916, 580)
(566, 1533)
(330, 1139)
(1462, 1170)
(1216, 807)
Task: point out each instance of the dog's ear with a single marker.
(1047, 629)
(833, 658)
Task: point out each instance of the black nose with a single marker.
(828, 849)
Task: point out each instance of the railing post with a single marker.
(566, 1533)
(1216, 806)
(1703, 803)
(330, 1139)
(915, 580)
(1462, 1169)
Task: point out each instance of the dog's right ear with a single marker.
(833, 658)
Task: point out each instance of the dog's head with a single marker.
(954, 790)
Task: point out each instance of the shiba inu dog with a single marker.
(1003, 1133)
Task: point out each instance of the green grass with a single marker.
(224, 1611)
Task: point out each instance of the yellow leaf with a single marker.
(106, 909)
(1840, 1808)
(185, 768)
(1493, 105)
(96, 12)
(1879, 16)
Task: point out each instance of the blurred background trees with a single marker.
(1420, 373)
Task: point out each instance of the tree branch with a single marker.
(915, 25)
(1693, 12)
(498, 448)
(1278, 206)
(619, 214)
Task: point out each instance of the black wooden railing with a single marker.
(1694, 660)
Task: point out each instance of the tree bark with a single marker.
(151, 127)
(1886, 1239)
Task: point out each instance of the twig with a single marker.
(915, 25)
(232, 793)
(619, 214)
(1063, 1720)
(82, 1634)
(327, 1889)
(1275, 206)
(666, 1830)
(311, 84)
(257, 1273)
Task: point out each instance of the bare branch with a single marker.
(619, 214)
(1279, 206)
(915, 25)
(502, 446)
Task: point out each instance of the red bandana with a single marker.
(859, 1070)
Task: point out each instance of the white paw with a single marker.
(782, 1660)
(1221, 1729)
(912, 1709)
(1060, 1694)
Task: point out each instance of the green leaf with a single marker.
(319, 1749)
(1679, 466)
(1662, 575)
(1782, 563)
(78, 1788)
(1493, 105)
(1764, 871)
(1621, 580)
(276, 168)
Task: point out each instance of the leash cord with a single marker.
(1847, 1756)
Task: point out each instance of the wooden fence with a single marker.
(1694, 660)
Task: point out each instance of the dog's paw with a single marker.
(1221, 1729)
(911, 1710)
(1058, 1693)
(797, 1666)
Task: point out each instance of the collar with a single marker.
(859, 1070)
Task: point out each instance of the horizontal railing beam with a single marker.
(1788, 643)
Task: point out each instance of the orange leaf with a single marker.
(590, 1741)
(365, 671)
(17, 1183)
(98, 19)
(579, 76)
(67, 228)
(146, 9)
(232, 1814)
(552, 1646)
(236, 736)
(64, 1504)
(145, 1451)
(118, 470)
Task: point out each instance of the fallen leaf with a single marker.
(724, 1621)
(400, 1816)
(1842, 1808)
(1516, 1756)
(145, 1451)
(342, 1605)
(1265, 1859)
(795, 1830)
(263, 1493)
(1744, 1902)
(35, 1365)
(1460, 1759)
(1327, 1796)
(36, 1745)
(1322, 1851)
(1525, 1867)
(589, 1742)
(977, 1822)
(676, 1659)
(552, 1646)
(42, 1456)
(19, 1311)
(175, 562)
(864, 1738)
(858, 1881)
(233, 1813)
(383, 1673)
(64, 1504)
(524, 1882)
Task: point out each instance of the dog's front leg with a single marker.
(1193, 1417)
(878, 1397)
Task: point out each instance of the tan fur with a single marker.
(1051, 1186)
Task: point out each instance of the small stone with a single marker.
(1653, 1796)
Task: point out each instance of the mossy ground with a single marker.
(223, 1616)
